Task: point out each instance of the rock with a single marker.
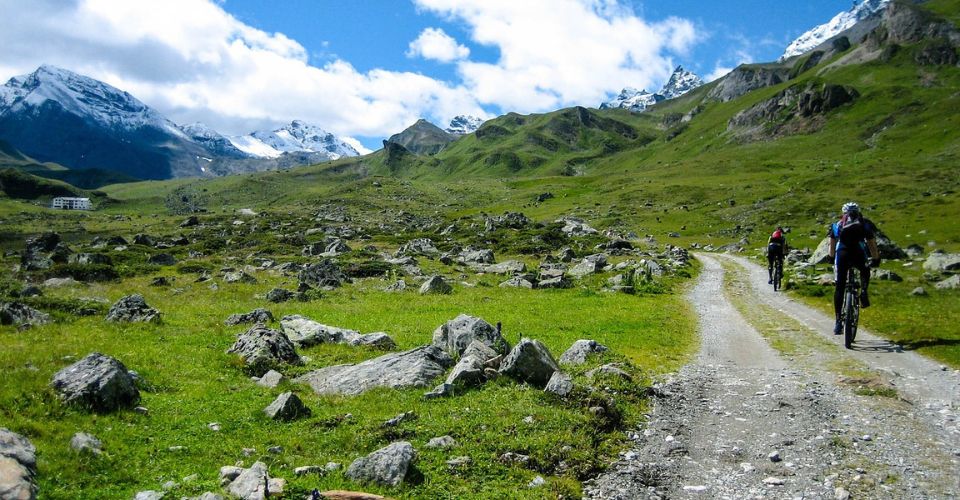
(414, 368)
(270, 379)
(379, 340)
(559, 384)
(939, 262)
(18, 466)
(822, 254)
(517, 282)
(825, 279)
(574, 226)
(566, 254)
(455, 335)
(386, 467)
(160, 281)
(919, 292)
(468, 372)
(305, 332)
(420, 246)
(774, 481)
(336, 247)
(91, 258)
(441, 391)
(457, 462)
(252, 483)
(323, 274)
(286, 407)
(133, 309)
(510, 220)
(774, 456)
(513, 458)
(435, 285)
(398, 286)
(190, 221)
(259, 315)
(349, 495)
(38, 253)
(537, 482)
(238, 277)
(506, 267)
(442, 442)
(60, 282)
(884, 275)
(149, 495)
(278, 295)
(589, 265)
(162, 259)
(578, 352)
(263, 349)
(610, 370)
(530, 362)
(19, 314)
(476, 256)
(481, 351)
(82, 442)
(542, 197)
(309, 469)
(403, 417)
(97, 382)
(557, 282)
(951, 283)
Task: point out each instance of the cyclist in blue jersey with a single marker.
(776, 249)
(850, 239)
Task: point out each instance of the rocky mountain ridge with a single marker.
(680, 82)
(840, 23)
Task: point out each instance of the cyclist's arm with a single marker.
(833, 247)
(874, 251)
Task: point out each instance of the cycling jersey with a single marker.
(852, 233)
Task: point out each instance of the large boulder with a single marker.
(530, 362)
(577, 353)
(951, 283)
(435, 285)
(387, 466)
(455, 335)
(468, 372)
(939, 262)
(97, 382)
(259, 315)
(414, 368)
(263, 349)
(18, 466)
(288, 406)
(22, 315)
(305, 332)
(822, 254)
(506, 267)
(323, 274)
(133, 309)
(589, 265)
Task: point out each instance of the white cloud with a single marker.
(434, 43)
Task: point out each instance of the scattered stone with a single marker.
(589, 265)
(414, 368)
(133, 309)
(481, 351)
(190, 221)
(774, 481)
(839, 493)
(774, 456)
(468, 372)
(42, 251)
(441, 391)
(919, 292)
(97, 382)
(21, 315)
(238, 277)
(286, 407)
(278, 295)
(457, 462)
(559, 384)
(951, 283)
(309, 469)
(263, 349)
(939, 262)
(530, 362)
(517, 282)
(160, 281)
(60, 282)
(18, 466)
(456, 335)
(82, 442)
(537, 482)
(259, 315)
(574, 226)
(442, 442)
(324, 274)
(578, 352)
(514, 458)
(435, 285)
(420, 246)
(884, 275)
(506, 267)
(555, 282)
(399, 286)
(149, 495)
(305, 332)
(386, 467)
(403, 417)
(251, 484)
(214, 426)
(270, 379)
(162, 259)
(349, 495)
(476, 256)
(379, 340)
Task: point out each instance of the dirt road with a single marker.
(747, 421)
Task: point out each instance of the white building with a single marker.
(66, 203)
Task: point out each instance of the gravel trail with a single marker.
(743, 421)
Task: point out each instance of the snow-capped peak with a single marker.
(464, 124)
(841, 22)
(298, 136)
(681, 82)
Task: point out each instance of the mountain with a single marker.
(297, 137)
(423, 138)
(681, 81)
(215, 143)
(56, 115)
(464, 124)
(840, 23)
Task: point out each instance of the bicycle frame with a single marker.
(850, 315)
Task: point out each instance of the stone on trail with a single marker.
(530, 362)
(133, 309)
(263, 349)
(18, 466)
(578, 352)
(560, 384)
(435, 285)
(82, 442)
(258, 315)
(97, 382)
(304, 332)
(387, 466)
(455, 335)
(288, 406)
(414, 368)
(19, 314)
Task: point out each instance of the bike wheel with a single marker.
(849, 320)
(777, 278)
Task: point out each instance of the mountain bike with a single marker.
(777, 274)
(850, 314)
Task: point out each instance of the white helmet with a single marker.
(851, 208)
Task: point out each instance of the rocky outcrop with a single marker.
(97, 382)
(904, 23)
(790, 111)
(387, 466)
(746, 78)
(455, 335)
(43, 251)
(263, 349)
(414, 368)
(22, 315)
(18, 466)
(133, 309)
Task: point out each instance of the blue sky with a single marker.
(369, 68)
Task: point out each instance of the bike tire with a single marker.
(777, 279)
(849, 320)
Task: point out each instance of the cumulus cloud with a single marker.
(434, 43)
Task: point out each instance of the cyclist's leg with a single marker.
(864, 282)
(843, 266)
(770, 258)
